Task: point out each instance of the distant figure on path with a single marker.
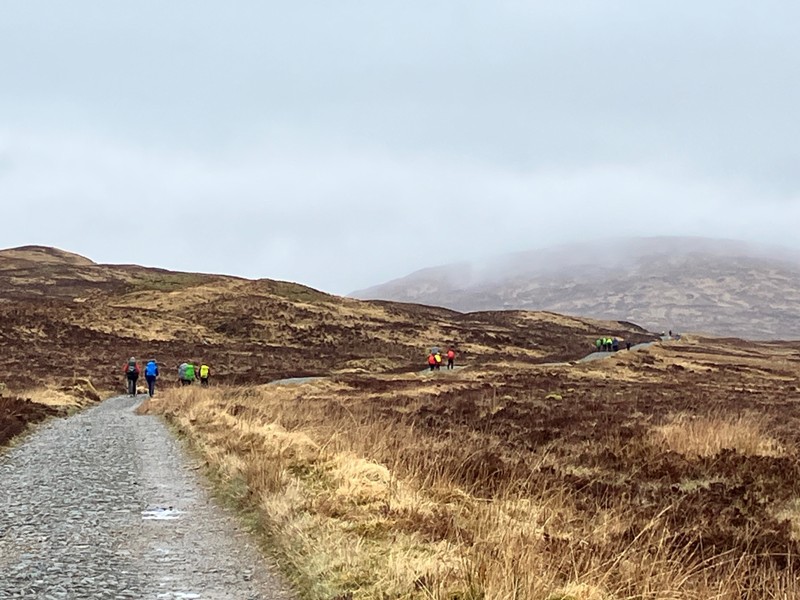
(451, 358)
(627, 345)
(204, 373)
(150, 374)
(432, 361)
(131, 370)
(598, 344)
(615, 345)
(438, 358)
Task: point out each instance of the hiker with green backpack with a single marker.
(189, 374)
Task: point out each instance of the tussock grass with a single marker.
(362, 506)
(78, 394)
(708, 435)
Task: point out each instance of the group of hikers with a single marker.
(188, 373)
(610, 344)
(435, 358)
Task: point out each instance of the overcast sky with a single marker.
(341, 144)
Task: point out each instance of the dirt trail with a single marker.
(105, 504)
(600, 355)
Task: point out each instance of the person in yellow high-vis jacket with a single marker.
(204, 373)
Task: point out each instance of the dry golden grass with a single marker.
(78, 395)
(363, 507)
(708, 435)
(322, 502)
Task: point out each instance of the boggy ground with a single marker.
(673, 472)
(67, 325)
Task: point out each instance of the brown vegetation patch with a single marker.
(16, 414)
(531, 482)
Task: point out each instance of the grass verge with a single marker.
(364, 493)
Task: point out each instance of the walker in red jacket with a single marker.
(131, 370)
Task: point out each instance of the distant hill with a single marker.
(719, 287)
(62, 316)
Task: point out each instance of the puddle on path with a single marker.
(161, 514)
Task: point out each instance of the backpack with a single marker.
(132, 369)
(204, 372)
(150, 369)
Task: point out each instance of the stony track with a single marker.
(105, 504)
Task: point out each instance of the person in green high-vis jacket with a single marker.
(599, 344)
(189, 375)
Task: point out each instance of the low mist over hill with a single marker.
(62, 317)
(720, 287)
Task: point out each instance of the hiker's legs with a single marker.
(449, 363)
(151, 386)
(204, 381)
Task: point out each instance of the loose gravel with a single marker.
(105, 504)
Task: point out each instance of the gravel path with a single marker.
(105, 504)
(602, 355)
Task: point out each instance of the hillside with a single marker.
(64, 316)
(686, 284)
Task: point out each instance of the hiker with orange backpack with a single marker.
(451, 358)
(432, 361)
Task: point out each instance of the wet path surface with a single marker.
(601, 355)
(105, 504)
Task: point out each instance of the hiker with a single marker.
(131, 370)
(190, 373)
(182, 374)
(438, 358)
(627, 345)
(615, 345)
(150, 374)
(598, 344)
(432, 361)
(451, 358)
(204, 373)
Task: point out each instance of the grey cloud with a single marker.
(345, 143)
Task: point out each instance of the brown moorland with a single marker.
(670, 472)
(68, 325)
